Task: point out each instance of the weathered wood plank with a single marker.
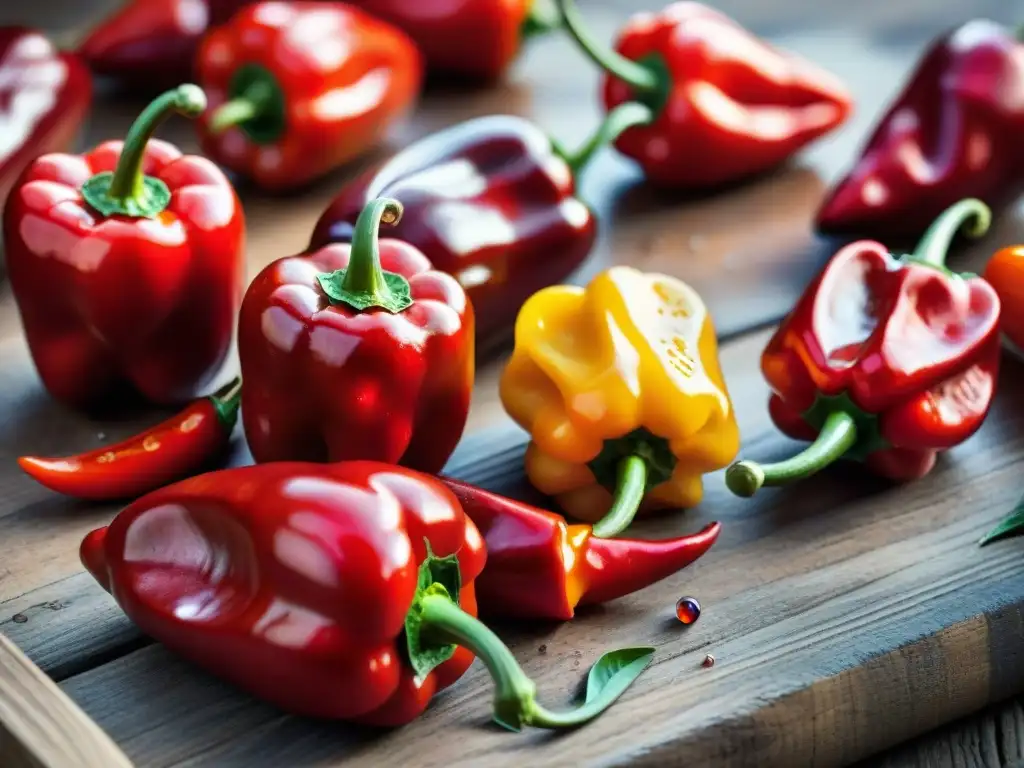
(40, 727)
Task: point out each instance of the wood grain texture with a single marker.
(40, 727)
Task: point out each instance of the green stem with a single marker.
(226, 402)
(971, 215)
(629, 492)
(234, 112)
(637, 76)
(515, 703)
(616, 122)
(542, 17)
(188, 100)
(838, 435)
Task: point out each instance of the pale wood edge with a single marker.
(41, 727)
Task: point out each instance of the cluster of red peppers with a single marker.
(127, 265)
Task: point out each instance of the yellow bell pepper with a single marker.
(620, 388)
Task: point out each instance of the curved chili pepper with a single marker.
(884, 360)
(162, 454)
(722, 104)
(540, 568)
(1005, 272)
(298, 89)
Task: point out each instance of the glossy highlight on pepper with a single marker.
(127, 264)
(360, 351)
(723, 104)
(886, 360)
(298, 89)
(620, 388)
(538, 567)
(341, 591)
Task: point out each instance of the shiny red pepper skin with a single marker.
(726, 105)
(907, 350)
(44, 96)
(327, 382)
(292, 580)
(114, 300)
(151, 44)
(538, 567)
(953, 132)
(318, 85)
(515, 227)
(176, 448)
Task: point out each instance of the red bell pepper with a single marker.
(723, 105)
(173, 449)
(44, 96)
(297, 90)
(341, 591)
(475, 39)
(127, 264)
(356, 352)
(953, 132)
(491, 201)
(538, 567)
(885, 360)
(151, 44)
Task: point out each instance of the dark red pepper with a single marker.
(953, 132)
(297, 90)
(341, 591)
(884, 360)
(173, 449)
(539, 567)
(44, 96)
(356, 352)
(127, 265)
(723, 105)
(491, 201)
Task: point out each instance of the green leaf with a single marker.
(437, 576)
(614, 673)
(1011, 525)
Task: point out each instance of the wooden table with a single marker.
(847, 616)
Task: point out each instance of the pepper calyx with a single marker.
(256, 105)
(542, 17)
(439, 577)
(226, 402)
(654, 450)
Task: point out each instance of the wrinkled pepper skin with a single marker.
(44, 97)
(296, 90)
(725, 105)
(151, 44)
(488, 201)
(624, 371)
(325, 381)
(134, 290)
(540, 568)
(885, 360)
(1005, 273)
(953, 132)
(292, 581)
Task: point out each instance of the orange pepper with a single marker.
(1005, 272)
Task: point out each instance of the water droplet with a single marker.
(687, 610)
(709, 661)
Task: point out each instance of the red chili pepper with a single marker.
(515, 224)
(341, 591)
(953, 132)
(44, 96)
(885, 360)
(477, 39)
(1005, 272)
(538, 567)
(297, 90)
(127, 266)
(171, 450)
(723, 105)
(356, 352)
(151, 44)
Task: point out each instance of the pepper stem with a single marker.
(256, 105)
(629, 492)
(363, 283)
(127, 191)
(226, 402)
(838, 435)
(636, 76)
(542, 17)
(615, 123)
(515, 703)
(235, 112)
(970, 215)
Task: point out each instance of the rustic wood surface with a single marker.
(846, 616)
